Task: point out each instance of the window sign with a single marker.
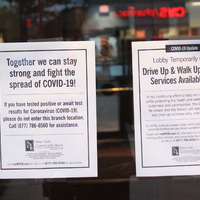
(48, 110)
(162, 12)
(166, 78)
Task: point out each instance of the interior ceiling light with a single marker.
(195, 3)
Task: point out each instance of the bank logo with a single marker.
(29, 145)
(175, 151)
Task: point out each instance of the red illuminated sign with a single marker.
(104, 9)
(163, 12)
(29, 22)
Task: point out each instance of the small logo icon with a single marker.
(175, 151)
(29, 144)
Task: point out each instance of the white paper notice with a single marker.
(48, 110)
(167, 107)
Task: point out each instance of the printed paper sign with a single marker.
(48, 110)
(167, 107)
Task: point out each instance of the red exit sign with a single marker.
(163, 12)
